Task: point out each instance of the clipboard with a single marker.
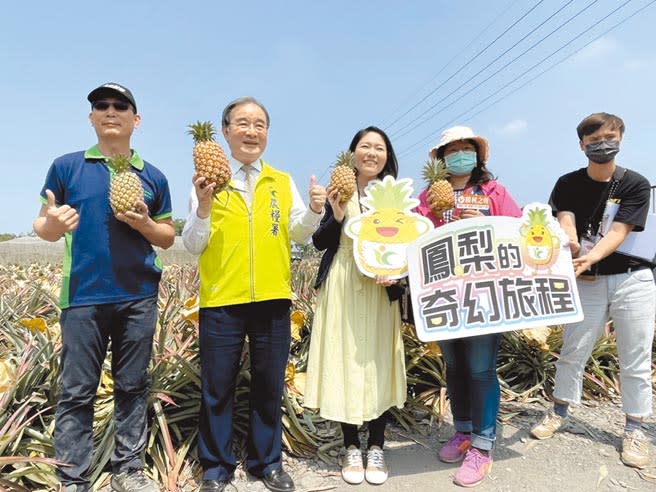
(641, 245)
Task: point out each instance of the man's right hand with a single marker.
(59, 220)
(574, 247)
(205, 195)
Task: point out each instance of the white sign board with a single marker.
(492, 274)
(382, 233)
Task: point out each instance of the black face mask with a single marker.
(603, 151)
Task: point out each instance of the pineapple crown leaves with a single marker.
(537, 216)
(120, 163)
(345, 158)
(390, 193)
(434, 170)
(202, 131)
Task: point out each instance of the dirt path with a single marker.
(584, 458)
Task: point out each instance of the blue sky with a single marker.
(325, 70)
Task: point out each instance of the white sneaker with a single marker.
(548, 426)
(376, 472)
(352, 465)
(635, 449)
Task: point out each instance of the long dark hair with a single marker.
(391, 165)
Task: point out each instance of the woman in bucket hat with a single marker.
(472, 382)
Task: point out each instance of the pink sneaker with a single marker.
(473, 469)
(455, 448)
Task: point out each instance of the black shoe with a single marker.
(213, 485)
(278, 481)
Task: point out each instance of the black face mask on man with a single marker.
(603, 151)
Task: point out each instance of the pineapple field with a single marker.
(30, 345)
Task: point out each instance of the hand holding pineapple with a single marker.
(338, 206)
(137, 217)
(342, 178)
(204, 194)
(440, 194)
(209, 159)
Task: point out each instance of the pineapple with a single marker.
(440, 192)
(343, 176)
(209, 158)
(125, 188)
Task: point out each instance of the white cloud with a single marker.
(601, 48)
(513, 128)
(635, 64)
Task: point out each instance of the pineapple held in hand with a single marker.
(125, 188)
(342, 178)
(209, 158)
(440, 192)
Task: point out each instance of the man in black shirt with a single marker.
(597, 207)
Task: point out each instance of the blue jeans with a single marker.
(222, 334)
(473, 387)
(86, 332)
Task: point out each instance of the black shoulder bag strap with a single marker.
(596, 217)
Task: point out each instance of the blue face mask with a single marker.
(460, 163)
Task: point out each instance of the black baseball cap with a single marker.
(112, 89)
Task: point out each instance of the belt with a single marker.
(592, 277)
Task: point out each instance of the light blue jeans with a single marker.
(629, 299)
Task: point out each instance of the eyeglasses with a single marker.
(104, 105)
(243, 125)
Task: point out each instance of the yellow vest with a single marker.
(248, 255)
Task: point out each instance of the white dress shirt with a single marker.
(303, 221)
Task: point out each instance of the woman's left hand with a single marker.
(385, 281)
(469, 213)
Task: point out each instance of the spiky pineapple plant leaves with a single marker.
(27, 406)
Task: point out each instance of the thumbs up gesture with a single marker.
(59, 220)
(317, 195)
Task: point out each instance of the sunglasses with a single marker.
(104, 105)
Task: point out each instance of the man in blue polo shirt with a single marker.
(109, 290)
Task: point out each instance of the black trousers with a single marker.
(376, 433)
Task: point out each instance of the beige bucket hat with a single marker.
(462, 133)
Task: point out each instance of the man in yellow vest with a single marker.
(243, 235)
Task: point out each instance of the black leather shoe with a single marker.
(213, 485)
(278, 481)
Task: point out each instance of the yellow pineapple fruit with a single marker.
(209, 158)
(125, 188)
(343, 176)
(440, 192)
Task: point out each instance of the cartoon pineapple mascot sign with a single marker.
(540, 243)
(381, 234)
